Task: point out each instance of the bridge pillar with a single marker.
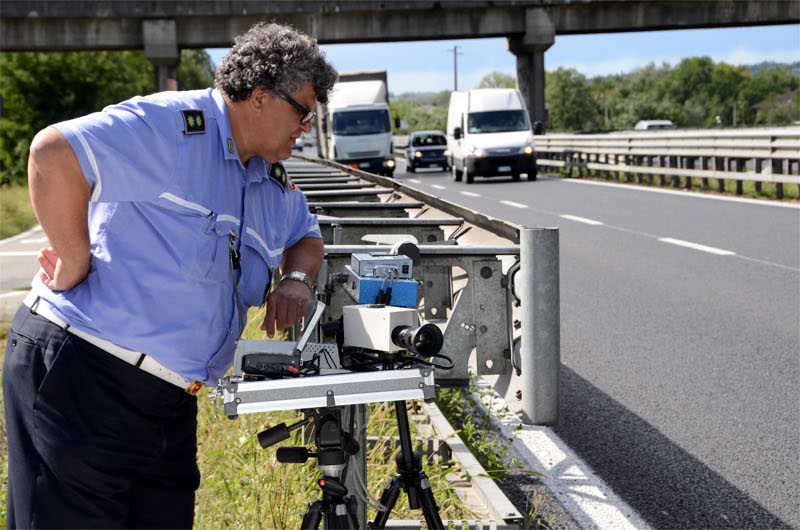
(161, 48)
(540, 32)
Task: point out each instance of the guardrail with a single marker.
(760, 155)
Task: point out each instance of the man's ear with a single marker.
(260, 98)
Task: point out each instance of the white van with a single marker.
(489, 133)
(653, 125)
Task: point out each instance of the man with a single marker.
(167, 217)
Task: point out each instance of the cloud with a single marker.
(743, 55)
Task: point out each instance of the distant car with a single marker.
(308, 141)
(298, 144)
(653, 125)
(427, 149)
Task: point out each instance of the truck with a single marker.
(355, 127)
(488, 134)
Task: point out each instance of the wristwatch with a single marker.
(298, 277)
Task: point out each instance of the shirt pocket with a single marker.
(197, 238)
(259, 263)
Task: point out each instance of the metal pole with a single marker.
(541, 335)
(358, 462)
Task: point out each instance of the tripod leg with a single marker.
(388, 499)
(338, 519)
(313, 516)
(429, 508)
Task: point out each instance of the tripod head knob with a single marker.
(293, 455)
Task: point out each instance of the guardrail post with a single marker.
(689, 164)
(662, 178)
(704, 167)
(739, 182)
(777, 169)
(541, 340)
(675, 163)
(758, 165)
(720, 164)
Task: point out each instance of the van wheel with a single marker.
(515, 176)
(457, 174)
(532, 174)
(468, 177)
(411, 167)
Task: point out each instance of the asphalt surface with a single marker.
(680, 366)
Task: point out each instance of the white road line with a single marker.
(13, 293)
(415, 181)
(33, 240)
(580, 219)
(514, 204)
(469, 194)
(26, 233)
(704, 248)
(582, 493)
(19, 253)
(438, 187)
(692, 194)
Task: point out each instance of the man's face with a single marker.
(277, 125)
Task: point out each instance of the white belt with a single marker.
(139, 360)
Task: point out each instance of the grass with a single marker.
(16, 212)
(491, 450)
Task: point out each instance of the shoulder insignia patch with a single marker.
(291, 185)
(278, 174)
(194, 121)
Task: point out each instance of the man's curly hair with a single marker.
(274, 56)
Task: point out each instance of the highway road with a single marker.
(680, 342)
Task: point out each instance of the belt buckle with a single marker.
(194, 387)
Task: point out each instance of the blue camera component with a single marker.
(366, 290)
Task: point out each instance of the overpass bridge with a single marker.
(161, 28)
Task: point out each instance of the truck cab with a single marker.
(356, 125)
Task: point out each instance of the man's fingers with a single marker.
(45, 279)
(269, 320)
(281, 315)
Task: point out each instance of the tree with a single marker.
(572, 107)
(40, 89)
(497, 80)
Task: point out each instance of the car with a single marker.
(298, 144)
(427, 149)
(653, 125)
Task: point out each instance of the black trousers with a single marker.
(93, 442)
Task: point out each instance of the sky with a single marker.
(428, 65)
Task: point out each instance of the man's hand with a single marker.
(60, 276)
(286, 305)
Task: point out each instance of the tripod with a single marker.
(410, 478)
(334, 446)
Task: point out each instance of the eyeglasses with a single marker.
(306, 115)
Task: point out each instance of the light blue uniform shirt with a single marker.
(168, 189)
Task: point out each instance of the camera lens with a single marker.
(425, 340)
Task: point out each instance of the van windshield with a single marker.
(428, 139)
(360, 122)
(497, 121)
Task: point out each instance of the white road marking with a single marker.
(438, 187)
(415, 181)
(704, 248)
(19, 253)
(580, 219)
(24, 234)
(583, 494)
(514, 204)
(692, 194)
(469, 194)
(13, 293)
(33, 240)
